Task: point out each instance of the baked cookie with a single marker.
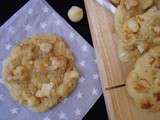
(40, 71)
(130, 8)
(138, 35)
(143, 82)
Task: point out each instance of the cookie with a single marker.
(40, 72)
(75, 14)
(139, 33)
(130, 8)
(143, 82)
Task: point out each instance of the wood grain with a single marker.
(101, 23)
(121, 107)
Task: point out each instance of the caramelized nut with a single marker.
(45, 90)
(142, 86)
(20, 73)
(131, 3)
(33, 101)
(157, 96)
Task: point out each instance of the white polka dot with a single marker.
(82, 79)
(82, 63)
(95, 76)
(84, 48)
(11, 30)
(71, 35)
(77, 112)
(43, 25)
(27, 27)
(30, 11)
(62, 116)
(94, 92)
(1, 97)
(58, 22)
(8, 46)
(14, 110)
(45, 9)
(79, 95)
(47, 118)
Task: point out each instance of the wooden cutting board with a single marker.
(112, 72)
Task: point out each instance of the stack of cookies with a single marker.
(137, 24)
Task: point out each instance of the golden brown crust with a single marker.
(40, 72)
(145, 104)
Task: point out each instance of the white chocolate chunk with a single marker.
(157, 29)
(70, 75)
(140, 48)
(122, 54)
(45, 47)
(133, 25)
(45, 90)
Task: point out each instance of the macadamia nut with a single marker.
(75, 14)
(133, 25)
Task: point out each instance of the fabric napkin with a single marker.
(37, 17)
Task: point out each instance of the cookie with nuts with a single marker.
(130, 8)
(143, 82)
(40, 72)
(139, 33)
